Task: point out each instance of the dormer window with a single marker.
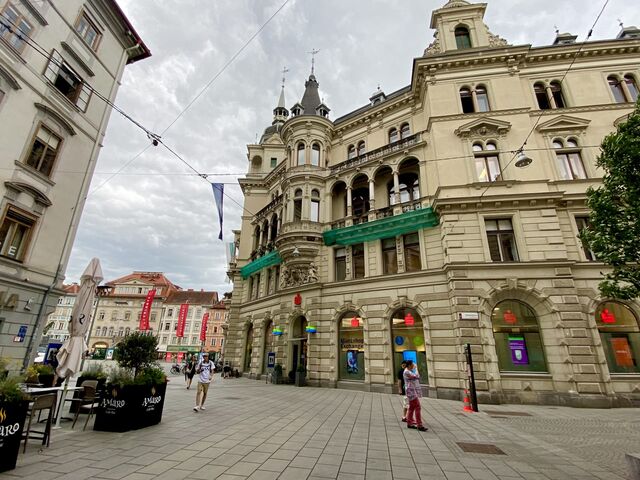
(463, 39)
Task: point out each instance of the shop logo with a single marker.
(151, 401)
(607, 317)
(509, 317)
(153, 391)
(3, 415)
(8, 430)
(114, 392)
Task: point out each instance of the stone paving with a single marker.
(251, 430)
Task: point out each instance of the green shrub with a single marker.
(44, 369)
(277, 369)
(137, 351)
(10, 390)
(94, 372)
(120, 377)
(151, 376)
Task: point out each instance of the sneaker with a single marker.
(202, 407)
(404, 419)
(412, 426)
(422, 429)
(195, 409)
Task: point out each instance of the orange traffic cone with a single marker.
(466, 402)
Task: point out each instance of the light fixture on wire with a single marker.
(523, 160)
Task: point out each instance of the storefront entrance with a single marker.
(298, 345)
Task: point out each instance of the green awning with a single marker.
(268, 260)
(383, 228)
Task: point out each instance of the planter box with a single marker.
(301, 379)
(78, 393)
(46, 379)
(130, 407)
(12, 416)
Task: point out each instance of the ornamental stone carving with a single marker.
(495, 40)
(434, 47)
(295, 276)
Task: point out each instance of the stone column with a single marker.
(349, 207)
(372, 201)
(396, 186)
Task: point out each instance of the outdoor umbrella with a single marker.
(70, 354)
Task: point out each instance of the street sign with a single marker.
(22, 332)
(468, 315)
(271, 359)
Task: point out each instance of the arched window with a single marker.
(274, 227)
(127, 331)
(569, 159)
(620, 335)
(111, 331)
(351, 152)
(517, 335)
(466, 98)
(265, 234)
(632, 87)
(482, 99)
(405, 130)
(361, 148)
(407, 334)
(487, 161)
(556, 93)
(315, 154)
(393, 135)
(351, 347)
(297, 205)
(409, 188)
(360, 202)
(256, 237)
(314, 214)
(248, 350)
(616, 88)
(301, 151)
(121, 332)
(541, 96)
(463, 39)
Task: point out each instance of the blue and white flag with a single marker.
(218, 192)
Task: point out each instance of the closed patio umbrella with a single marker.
(70, 354)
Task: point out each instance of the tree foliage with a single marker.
(614, 231)
(137, 351)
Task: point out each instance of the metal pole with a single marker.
(472, 379)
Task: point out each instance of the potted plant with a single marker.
(13, 411)
(276, 377)
(134, 393)
(4, 368)
(301, 376)
(40, 374)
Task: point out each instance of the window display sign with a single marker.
(518, 351)
(351, 343)
(622, 351)
(509, 317)
(352, 361)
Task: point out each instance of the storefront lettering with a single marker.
(8, 430)
(352, 343)
(113, 403)
(151, 400)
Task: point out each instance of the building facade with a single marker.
(410, 228)
(57, 327)
(54, 56)
(215, 332)
(172, 347)
(119, 309)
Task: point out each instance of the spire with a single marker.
(280, 113)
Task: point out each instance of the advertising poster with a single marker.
(109, 354)
(352, 361)
(622, 351)
(410, 355)
(52, 352)
(271, 359)
(518, 351)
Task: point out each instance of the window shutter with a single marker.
(51, 72)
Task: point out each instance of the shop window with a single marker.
(340, 259)
(315, 154)
(517, 335)
(20, 27)
(569, 159)
(15, 233)
(44, 150)
(412, 252)
(501, 239)
(389, 256)
(357, 258)
(297, 205)
(620, 334)
(463, 39)
(315, 206)
(487, 162)
(407, 334)
(351, 345)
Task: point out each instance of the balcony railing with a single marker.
(377, 153)
(276, 202)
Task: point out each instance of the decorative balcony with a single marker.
(388, 227)
(376, 154)
(271, 206)
(268, 260)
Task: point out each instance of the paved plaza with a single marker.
(258, 431)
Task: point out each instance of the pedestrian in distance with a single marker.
(190, 371)
(205, 370)
(401, 391)
(185, 368)
(414, 393)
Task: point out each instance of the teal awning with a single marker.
(268, 260)
(383, 228)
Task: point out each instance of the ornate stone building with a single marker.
(410, 227)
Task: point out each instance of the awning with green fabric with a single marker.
(383, 228)
(268, 260)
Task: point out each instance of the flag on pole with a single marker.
(218, 192)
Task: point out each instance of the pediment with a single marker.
(563, 122)
(483, 127)
(10, 79)
(274, 139)
(37, 195)
(56, 116)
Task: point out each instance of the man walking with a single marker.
(414, 392)
(205, 371)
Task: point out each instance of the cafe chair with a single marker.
(40, 403)
(86, 402)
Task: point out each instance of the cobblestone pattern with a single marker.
(255, 431)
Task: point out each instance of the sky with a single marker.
(156, 214)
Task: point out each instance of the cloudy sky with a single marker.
(156, 215)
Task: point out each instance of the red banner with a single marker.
(146, 311)
(182, 319)
(203, 328)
